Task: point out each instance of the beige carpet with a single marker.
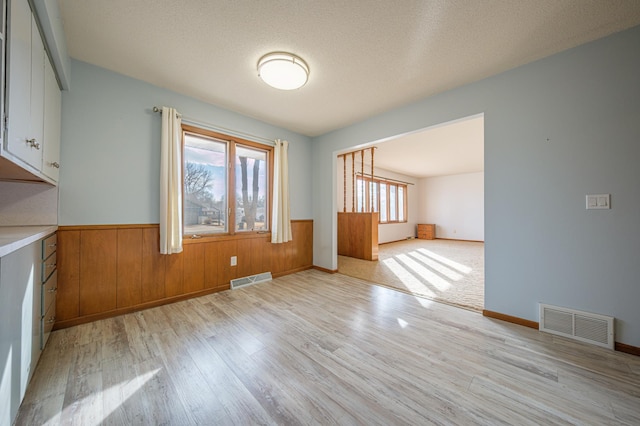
(448, 271)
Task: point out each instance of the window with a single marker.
(393, 204)
(384, 206)
(226, 184)
(386, 197)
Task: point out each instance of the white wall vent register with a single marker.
(253, 279)
(578, 325)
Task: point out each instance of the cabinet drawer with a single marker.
(49, 290)
(49, 245)
(48, 267)
(46, 324)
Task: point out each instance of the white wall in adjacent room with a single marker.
(455, 204)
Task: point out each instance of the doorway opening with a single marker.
(442, 169)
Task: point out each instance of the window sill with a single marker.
(226, 237)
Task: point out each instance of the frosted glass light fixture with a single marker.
(284, 71)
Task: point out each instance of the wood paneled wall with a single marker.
(358, 235)
(109, 270)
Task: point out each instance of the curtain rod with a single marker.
(221, 129)
(384, 178)
(159, 109)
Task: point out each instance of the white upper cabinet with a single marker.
(33, 101)
(21, 140)
(36, 120)
(52, 120)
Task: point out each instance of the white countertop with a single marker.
(13, 238)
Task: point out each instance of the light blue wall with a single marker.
(541, 243)
(110, 151)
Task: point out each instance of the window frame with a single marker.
(364, 182)
(232, 142)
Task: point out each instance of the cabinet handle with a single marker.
(33, 144)
(51, 320)
(51, 265)
(53, 290)
(55, 164)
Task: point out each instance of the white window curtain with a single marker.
(171, 182)
(281, 215)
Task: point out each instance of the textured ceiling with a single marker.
(449, 149)
(366, 57)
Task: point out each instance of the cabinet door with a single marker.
(20, 142)
(52, 117)
(36, 120)
(18, 334)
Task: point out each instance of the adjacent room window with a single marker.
(384, 205)
(226, 184)
(389, 198)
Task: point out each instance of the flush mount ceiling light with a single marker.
(284, 71)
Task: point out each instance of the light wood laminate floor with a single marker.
(314, 348)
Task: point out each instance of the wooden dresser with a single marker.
(426, 231)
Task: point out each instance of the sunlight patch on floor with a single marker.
(424, 302)
(455, 265)
(429, 276)
(118, 393)
(408, 279)
(445, 271)
(449, 273)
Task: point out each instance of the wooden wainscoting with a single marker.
(108, 270)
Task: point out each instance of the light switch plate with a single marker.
(598, 201)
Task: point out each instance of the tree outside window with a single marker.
(221, 196)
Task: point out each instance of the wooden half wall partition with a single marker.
(109, 270)
(358, 235)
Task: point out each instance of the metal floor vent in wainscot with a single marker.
(250, 280)
(578, 325)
